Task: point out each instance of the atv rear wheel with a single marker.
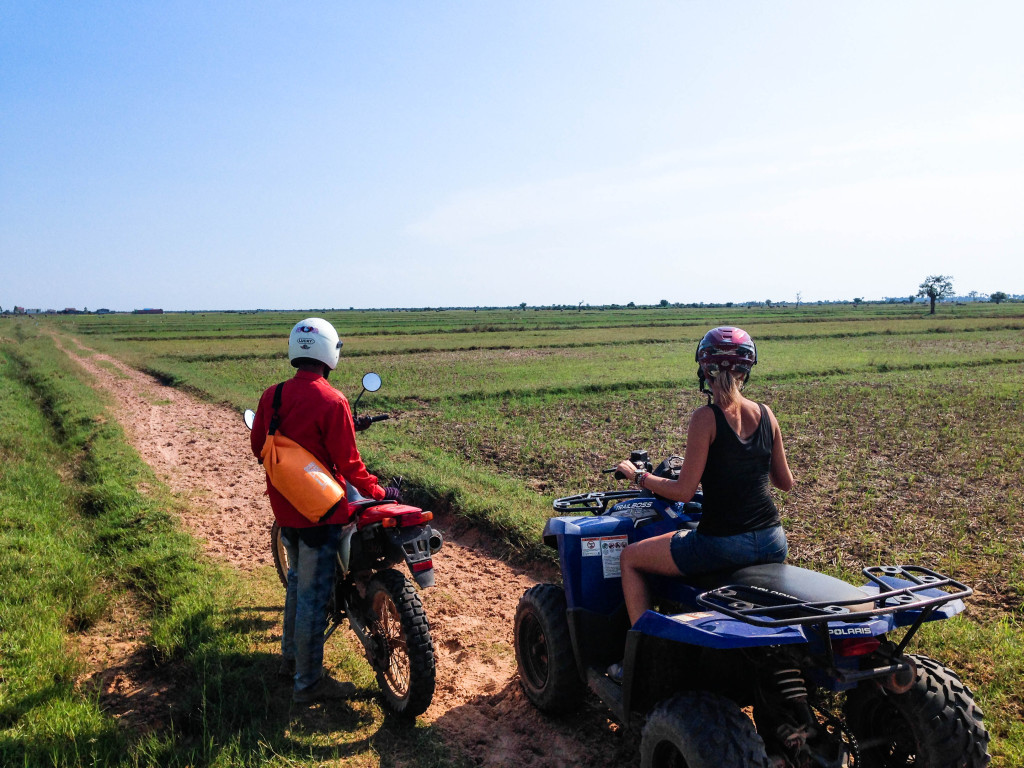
(935, 724)
(700, 730)
(402, 651)
(544, 655)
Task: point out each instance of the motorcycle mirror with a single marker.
(249, 417)
(371, 383)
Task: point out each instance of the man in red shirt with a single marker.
(317, 417)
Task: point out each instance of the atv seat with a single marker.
(788, 582)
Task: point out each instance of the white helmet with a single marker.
(316, 339)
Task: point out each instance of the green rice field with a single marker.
(905, 431)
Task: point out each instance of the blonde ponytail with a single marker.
(726, 388)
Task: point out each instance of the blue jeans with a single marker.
(312, 564)
(695, 554)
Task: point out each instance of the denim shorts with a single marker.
(694, 553)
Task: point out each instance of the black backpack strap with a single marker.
(275, 418)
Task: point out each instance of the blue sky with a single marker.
(227, 155)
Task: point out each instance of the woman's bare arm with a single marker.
(779, 473)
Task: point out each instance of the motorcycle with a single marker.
(767, 666)
(382, 606)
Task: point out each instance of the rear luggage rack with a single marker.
(764, 607)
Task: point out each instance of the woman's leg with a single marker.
(652, 555)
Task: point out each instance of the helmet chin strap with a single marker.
(703, 380)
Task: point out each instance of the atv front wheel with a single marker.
(700, 730)
(402, 651)
(935, 724)
(547, 668)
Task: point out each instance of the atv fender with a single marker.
(710, 629)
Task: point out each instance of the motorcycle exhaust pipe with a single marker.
(435, 541)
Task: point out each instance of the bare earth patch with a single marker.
(201, 451)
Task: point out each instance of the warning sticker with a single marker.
(591, 547)
(611, 549)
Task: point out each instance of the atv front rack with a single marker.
(596, 501)
(764, 607)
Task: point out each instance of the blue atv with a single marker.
(768, 666)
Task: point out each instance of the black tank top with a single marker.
(736, 480)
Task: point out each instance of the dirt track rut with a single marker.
(201, 451)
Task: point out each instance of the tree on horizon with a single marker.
(936, 287)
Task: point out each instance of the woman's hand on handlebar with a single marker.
(626, 470)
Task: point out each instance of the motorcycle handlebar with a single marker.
(381, 417)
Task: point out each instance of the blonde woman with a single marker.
(734, 452)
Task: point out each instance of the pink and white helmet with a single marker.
(725, 349)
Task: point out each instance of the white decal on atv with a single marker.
(772, 592)
(640, 510)
(611, 550)
(693, 616)
(845, 631)
(637, 515)
(590, 547)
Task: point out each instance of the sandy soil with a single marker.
(201, 452)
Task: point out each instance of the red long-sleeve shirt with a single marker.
(317, 417)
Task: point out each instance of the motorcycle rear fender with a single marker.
(414, 543)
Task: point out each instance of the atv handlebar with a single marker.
(640, 460)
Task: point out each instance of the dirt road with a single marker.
(201, 452)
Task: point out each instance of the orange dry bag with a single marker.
(297, 474)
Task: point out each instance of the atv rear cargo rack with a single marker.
(764, 607)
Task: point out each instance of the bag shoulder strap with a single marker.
(275, 418)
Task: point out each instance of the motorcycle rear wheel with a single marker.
(935, 724)
(403, 651)
(280, 553)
